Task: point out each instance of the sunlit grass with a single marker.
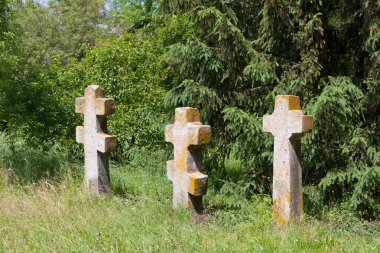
(60, 217)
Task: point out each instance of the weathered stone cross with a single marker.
(287, 124)
(187, 135)
(93, 135)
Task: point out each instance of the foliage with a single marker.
(243, 53)
(33, 101)
(4, 17)
(130, 15)
(352, 147)
(62, 30)
(36, 108)
(131, 71)
(46, 71)
(8, 46)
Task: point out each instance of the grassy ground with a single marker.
(47, 217)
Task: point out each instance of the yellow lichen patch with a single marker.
(287, 102)
(186, 115)
(199, 135)
(197, 183)
(181, 160)
(278, 214)
(204, 136)
(307, 123)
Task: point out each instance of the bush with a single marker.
(131, 71)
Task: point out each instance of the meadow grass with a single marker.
(138, 217)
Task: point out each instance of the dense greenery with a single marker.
(131, 70)
(243, 53)
(227, 58)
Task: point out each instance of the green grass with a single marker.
(60, 217)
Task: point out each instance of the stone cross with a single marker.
(187, 135)
(93, 135)
(287, 124)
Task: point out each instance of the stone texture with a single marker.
(187, 135)
(287, 124)
(93, 135)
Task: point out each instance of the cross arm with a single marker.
(169, 133)
(79, 134)
(268, 121)
(170, 170)
(104, 106)
(293, 122)
(197, 183)
(80, 105)
(301, 123)
(308, 123)
(106, 142)
(199, 134)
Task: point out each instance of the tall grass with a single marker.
(62, 218)
(25, 163)
(43, 215)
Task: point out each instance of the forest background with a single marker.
(228, 59)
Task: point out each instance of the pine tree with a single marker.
(243, 53)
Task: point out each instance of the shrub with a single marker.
(131, 71)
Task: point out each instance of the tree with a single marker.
(130, 15)
(31, 105)
(62, 30)
(243, 53)
(4, 17)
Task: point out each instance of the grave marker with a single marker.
(287, 124)
(187, 135)
(95, 138)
